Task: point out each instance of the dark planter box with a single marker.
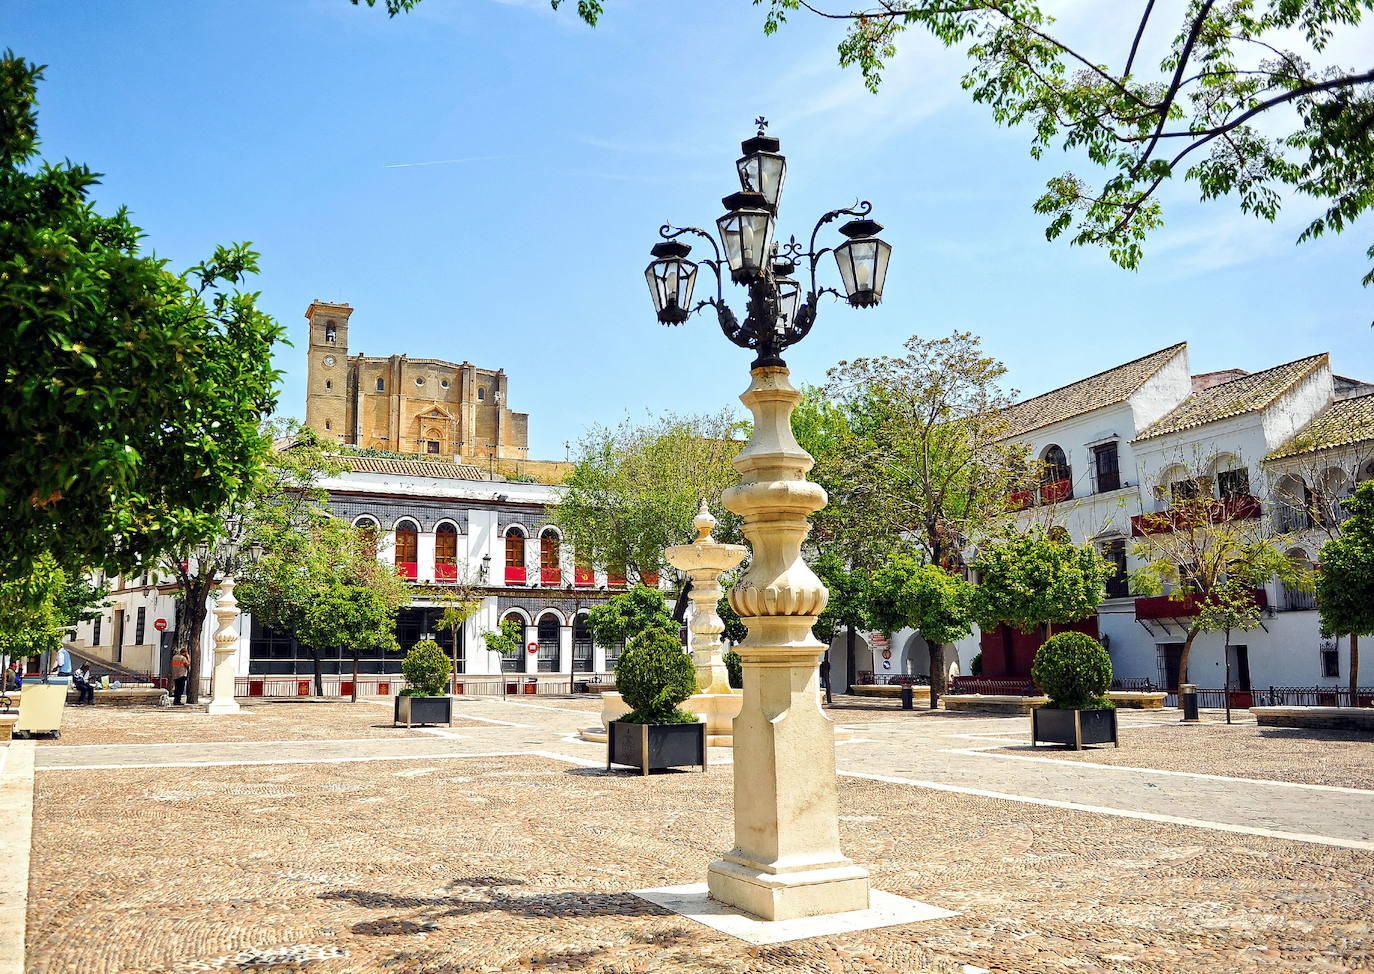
(656, 747)
(1073, 727)
(423, 710)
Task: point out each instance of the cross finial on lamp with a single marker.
(762, 123)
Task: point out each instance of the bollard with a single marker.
(1187, 697)
(906, 697)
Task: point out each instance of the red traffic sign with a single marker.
(159, 624)
(887, 654)
(532, 648)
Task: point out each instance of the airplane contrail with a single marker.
(443, 162)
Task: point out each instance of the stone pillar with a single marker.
(226, 647)
(786, 862)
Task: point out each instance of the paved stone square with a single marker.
(503, 845)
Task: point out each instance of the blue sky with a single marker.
(298, 124)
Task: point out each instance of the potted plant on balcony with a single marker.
(654, 675)
(1074, 671)
(426, 669)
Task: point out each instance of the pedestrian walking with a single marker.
(181, 668)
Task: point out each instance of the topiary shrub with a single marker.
(1074, 671)
(975, 665)
(653, 676)
(426, 669)
(734, 669)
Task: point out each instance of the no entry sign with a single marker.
(160, 624)
(532, 648)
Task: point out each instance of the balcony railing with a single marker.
(1056, 491)
(550, 576)
(1169, 607)
(583, 577)
(1226, 509)
(445, 572)
(515, 575)
(1294, 601)
(408, 569)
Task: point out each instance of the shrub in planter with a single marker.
(734, 669)
(653, 676)
(1074, 671)
(426, 668)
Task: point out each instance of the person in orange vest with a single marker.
(181, 668)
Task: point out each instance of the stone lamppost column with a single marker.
(226, 646)
(786, 862)
(705, 561)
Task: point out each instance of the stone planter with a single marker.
(992, 704)
(1073, 727)
(423, 710)
(656, 747)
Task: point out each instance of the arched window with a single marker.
(1333, 490)
(407, 548)
(1231, 480)
(446, 553)
(433, 442)
(1293, 504)
(368, 526)
(481, 394)
(582, 644)
(515, 662)
(1056, 480)
(331, 333)
(549, 572)
(515, 556)
(548, 643)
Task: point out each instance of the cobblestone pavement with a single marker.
(412, 853)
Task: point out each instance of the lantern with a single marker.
(789, 293)
(747, 234)
(762, 169)
(671, 278)
(863, 262)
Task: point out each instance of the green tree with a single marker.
(635, 489)
(508, 638)
(1345, 581)
(320, 565)
(285, 497)
(1246, 103)
(654, 675)
(426, 669)
(458, 603)
(132, 395)
(910, 593)
(622, 617)
(39, 611)
(1035, 578)
(1206, 560)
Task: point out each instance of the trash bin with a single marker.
(1187, 697)
(906, 697)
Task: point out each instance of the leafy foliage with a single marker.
(734, 668)
(38, 611)
(1245, 103)
(1213, 561)
(426, 668)
(909, 593)
(623, 617)
(1034, 578)
(653, 676)
(1073, 670)
(507, 640)
(634, 489)
(132, 395)
(1345, 582)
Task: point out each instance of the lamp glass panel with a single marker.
(863, 267)
(789, 292)
(763, 172)
(748, 239)
(670, 282)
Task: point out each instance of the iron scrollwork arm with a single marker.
(860, 209)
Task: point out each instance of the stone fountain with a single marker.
(704, 561)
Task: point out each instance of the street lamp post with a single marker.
(786, 861)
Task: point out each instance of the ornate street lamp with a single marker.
(786, 862)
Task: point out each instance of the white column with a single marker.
(226, 645)
(424, 556)
(531, 636)
(565, 657)
(786, 862)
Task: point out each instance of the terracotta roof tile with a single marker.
(1341, 423)
(1104, 389)
(415, 468)
(1235, 398)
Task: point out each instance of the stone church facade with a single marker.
(408, 405)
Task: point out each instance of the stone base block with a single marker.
(886, 910)
(1321, 718)
(1137, 699)
(223, 707)
(840, 888)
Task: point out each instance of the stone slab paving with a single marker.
(411, 851)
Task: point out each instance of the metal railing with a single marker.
(510, 684)
(1214, 698)
(993, 686)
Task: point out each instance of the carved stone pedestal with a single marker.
(226, 643)
(786, 862)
